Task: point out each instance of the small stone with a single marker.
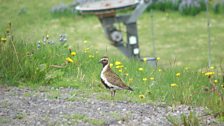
(119, 122)
(69, 122)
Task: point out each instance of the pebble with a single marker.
(38, 109)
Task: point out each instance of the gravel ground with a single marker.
(23, 106)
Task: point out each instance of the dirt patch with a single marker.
(65, 107)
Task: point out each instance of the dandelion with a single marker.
(111, 65)
(140, 69)
(47, 36)
(86, 50)
(152, 78)
(73, 53)
(144, 79)
(118, 67)
(212, 67)
(120, 70)
(177, 74)
(209, 73)
(216, 81)
(3, 39)
(144, 59)
(85, 41)
(141, 96)
(118, 63)
(91, 56)
(69, 60)
(157, 58)
(186, 68)
(173, 85)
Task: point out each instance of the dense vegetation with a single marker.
(35, 52)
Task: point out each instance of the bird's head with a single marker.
(104, 60)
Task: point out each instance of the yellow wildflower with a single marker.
(177, 74)
(158, 58)
(159, 70)
(216, 81)
(69, 60)
(91, 56)
(186, 68)
(120, 70)
(120, 66)
(111, 65)
(144, 79)
(141, 96)
(3, 39)
(144, 59)
(209, 73)
(173, 85)
(140, 69)
(212, 67)
(85, 41)
(118, 63)
(86, 50)
(73, 53)
(126, 74)
(152, 78)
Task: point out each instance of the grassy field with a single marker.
(183, 38)
(181, 43)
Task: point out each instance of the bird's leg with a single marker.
(113, 93)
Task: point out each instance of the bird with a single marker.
(110, 79)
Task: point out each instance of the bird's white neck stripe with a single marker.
(105, 79)
(105, 68)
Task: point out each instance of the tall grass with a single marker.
(31, 61)
(47, 65)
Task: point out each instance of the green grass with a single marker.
(181, 43)
(186, 120)
(4, 120)
(78, 117)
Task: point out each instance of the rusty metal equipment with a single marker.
(106, 11)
